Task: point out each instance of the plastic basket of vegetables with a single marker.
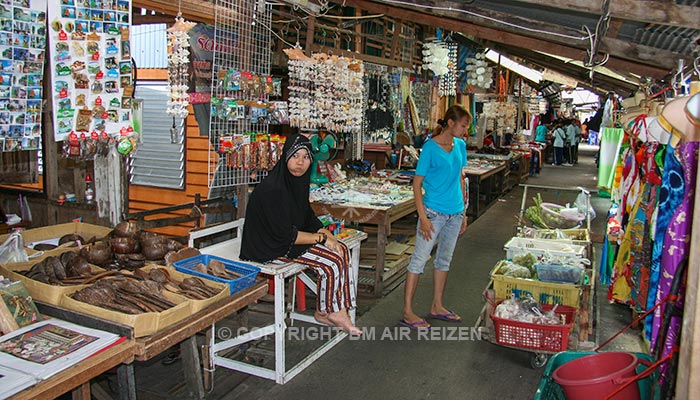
(561, 217)
(553, 216)
(543, 333)
(510, 282)
(559, 273)
(539, 248)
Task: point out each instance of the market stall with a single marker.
(369, 202)
(486, 179)
(150, 317)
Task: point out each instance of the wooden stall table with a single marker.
(183, 332)
(382, 216)
(77, 377)
(486, 183)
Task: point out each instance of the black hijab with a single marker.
(278, 209)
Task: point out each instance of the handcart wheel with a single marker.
(538, 360)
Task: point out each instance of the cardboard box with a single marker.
(40, 291)
(196, 305)
(144, 324)
(55, 232)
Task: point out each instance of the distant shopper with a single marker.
(559, 142)
(440, 210)
(541, 133)
(577, 139)
(280, 224)
(569, 145)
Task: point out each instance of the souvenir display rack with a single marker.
(23, 41)
(91, 70)
(240, 72)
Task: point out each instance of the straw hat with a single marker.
(673, 118)
(692, 109)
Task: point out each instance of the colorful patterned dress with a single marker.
(670, 196)
(677, 243)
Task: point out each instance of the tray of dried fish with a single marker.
(200, 292)
(131, 301)
(47, 279)
(236, 274)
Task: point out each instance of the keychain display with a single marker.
(23, 43)
(178, 64)
(90, 68)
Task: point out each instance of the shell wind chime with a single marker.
(178, 63)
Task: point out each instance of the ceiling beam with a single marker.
(501, 36)
(661, 12)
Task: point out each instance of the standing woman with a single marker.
(280, 225)
(559, 139)
(440, 212)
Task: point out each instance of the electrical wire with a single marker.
(525, 28)
(276, 35)
(601, 30)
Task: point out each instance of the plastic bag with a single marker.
(581, 203)
(12, 251)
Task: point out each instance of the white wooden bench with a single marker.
(229, 249)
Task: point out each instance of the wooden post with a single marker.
(689, 358)
(310, 29)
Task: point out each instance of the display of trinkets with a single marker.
(479, 73)
(251, 151)
(365, 192)
(22, 54)
(178, 64)
(448, 81)
(90, 63)
(325, 92)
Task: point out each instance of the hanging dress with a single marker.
(621, 290)
(642, 250)
(670, 196)
(677, 244)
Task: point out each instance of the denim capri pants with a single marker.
(446, 232)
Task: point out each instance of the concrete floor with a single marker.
(440, 366)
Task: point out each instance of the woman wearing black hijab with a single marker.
(280, 224)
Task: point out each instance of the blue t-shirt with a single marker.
(442, 172)
(541, 132)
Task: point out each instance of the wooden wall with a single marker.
(143, 198)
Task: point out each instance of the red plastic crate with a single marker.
(524, 335)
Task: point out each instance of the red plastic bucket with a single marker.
(596, 376)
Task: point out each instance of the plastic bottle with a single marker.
(89, 192)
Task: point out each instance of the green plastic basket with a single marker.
(548, 389)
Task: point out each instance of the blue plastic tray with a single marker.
(248, 271)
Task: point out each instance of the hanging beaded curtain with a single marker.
(242, 151)
(448, 81)
(327, 92)
(379, 121)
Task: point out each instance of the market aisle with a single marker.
(447, 364)
(442, 365)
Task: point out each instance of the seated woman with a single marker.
(280, 225)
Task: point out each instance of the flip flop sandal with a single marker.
(418, 325)
(448, 316)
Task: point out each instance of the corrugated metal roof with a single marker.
(149, 46)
